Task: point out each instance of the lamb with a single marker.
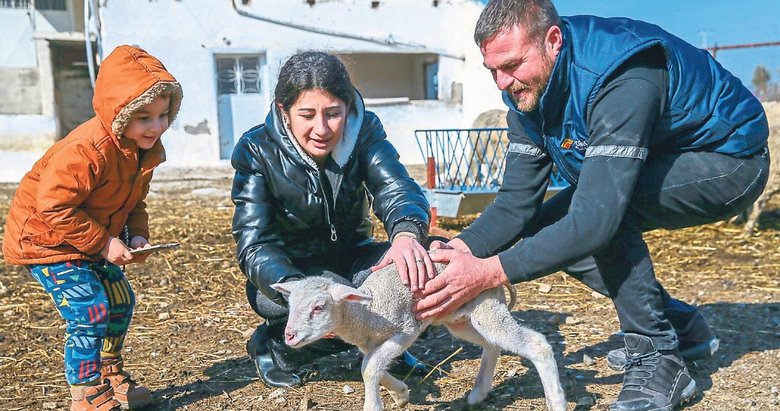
(377, 317)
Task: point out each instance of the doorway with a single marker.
(241, 101)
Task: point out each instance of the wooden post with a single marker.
(431, 183)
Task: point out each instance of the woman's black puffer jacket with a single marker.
(287, 209)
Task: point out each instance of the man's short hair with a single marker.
(536, 17)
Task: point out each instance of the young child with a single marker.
(72, 208)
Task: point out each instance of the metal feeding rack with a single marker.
(465, 168)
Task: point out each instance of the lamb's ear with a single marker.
(340, 292)
(285, 288)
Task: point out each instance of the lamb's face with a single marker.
(313, 306)
(310, 316)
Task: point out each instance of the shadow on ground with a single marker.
(735, 324)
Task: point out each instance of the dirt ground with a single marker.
(192, 319)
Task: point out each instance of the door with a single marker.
(241, 103)
(72, 88)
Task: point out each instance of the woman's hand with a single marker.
(414, 264)
(116, 252)
(139, 242)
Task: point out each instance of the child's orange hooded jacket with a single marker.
(92, 183)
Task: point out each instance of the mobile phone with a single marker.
(155, 248)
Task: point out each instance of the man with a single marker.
(651, 133)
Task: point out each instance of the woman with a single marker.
(304, 183)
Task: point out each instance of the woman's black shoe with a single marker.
(269, 373)
(273, 376)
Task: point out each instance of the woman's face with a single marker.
(317, 122)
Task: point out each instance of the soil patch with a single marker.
(192, 320)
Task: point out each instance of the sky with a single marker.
(697, 21)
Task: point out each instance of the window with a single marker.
(14, 4)
(39, 4)
(51, 5)
(239, 74)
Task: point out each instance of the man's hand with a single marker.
(116, 252)
(464, 278)
(454, 244)
(414, 264)
(139, 242)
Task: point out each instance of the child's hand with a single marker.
(116, 252)
(139, 242)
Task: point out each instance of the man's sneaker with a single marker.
(653, 381)
(696, 340)
(407, 364)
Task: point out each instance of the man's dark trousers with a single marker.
(673, 191)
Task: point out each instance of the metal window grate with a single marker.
(14, 4)
(39, 4)
(239, 75)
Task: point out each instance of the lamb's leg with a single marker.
(374, 371)
(494, 322)
(484, 382)
(399, 392)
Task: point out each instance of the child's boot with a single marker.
(126, 391)
(93, 398)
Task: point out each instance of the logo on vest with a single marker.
(578, 145)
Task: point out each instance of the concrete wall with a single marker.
(25, 132)
(17, 49)
(421, 114)
(186, 35)
(20, 93)
(28, 113)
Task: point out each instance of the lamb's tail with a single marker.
(512, 295)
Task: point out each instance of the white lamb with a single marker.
(377, 317)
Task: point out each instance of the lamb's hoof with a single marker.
(476, 396)
(401, 398)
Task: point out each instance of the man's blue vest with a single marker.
(707, 107)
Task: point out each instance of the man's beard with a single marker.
(530, 102)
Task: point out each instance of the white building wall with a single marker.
(480, 93)
(185, 35)
(17, 48)
(34, 125)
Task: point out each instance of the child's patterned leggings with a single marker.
(97, 303)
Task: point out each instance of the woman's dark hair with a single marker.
(311, 70)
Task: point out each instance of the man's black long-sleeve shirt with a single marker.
(623, 115)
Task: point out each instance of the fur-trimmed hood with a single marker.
(344, 148)
(130, 78)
